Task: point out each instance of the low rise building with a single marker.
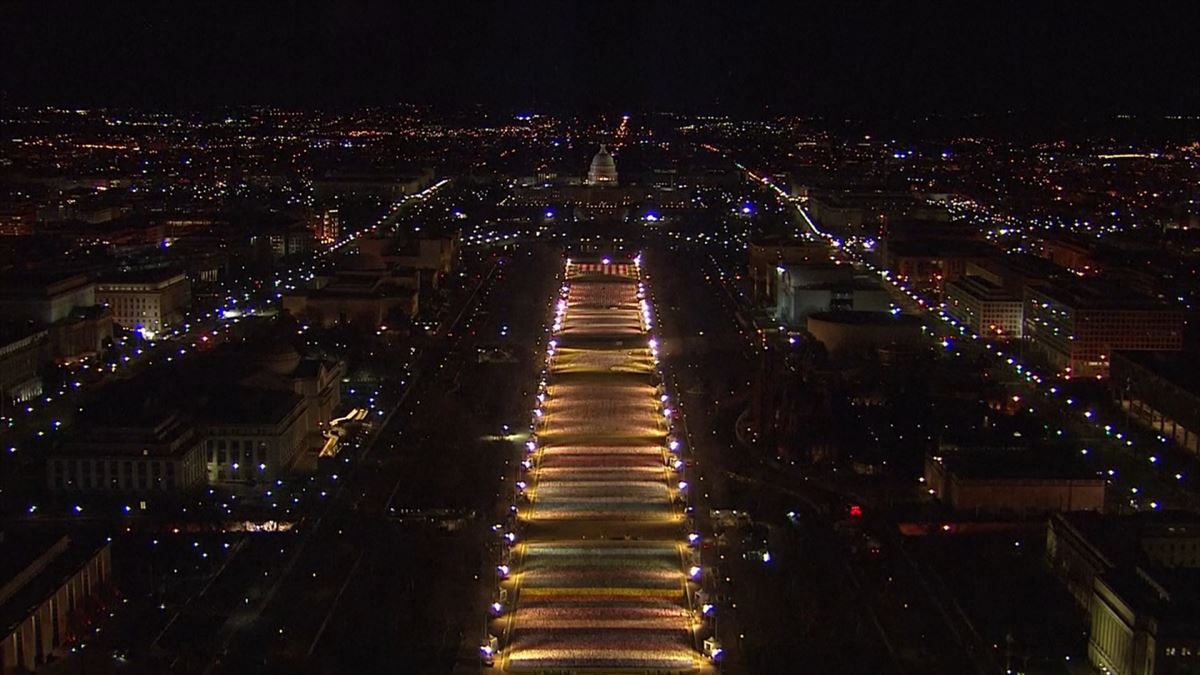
(1144, 621)
(252, 435)
(849, 332)
(818, 270)
(365, 298)
(246, 414)
(1070, 252)
(325, 226)
(85, 332)
(799, 296)
(17, 219)
(1082, 545)
(64, 306)
(930, 263)
(278, 366)
(1159, 390)
(52, 588)
(45, 297)
(289, 239)
(430, 257)
(22, 352)
(122, 447)
(769, 255)
(1136, 578)
(1078, 324)
(987, 308)
(1012, 481)
(386, 184)
(146, 301)
(594, 202)
(917, 229)
(1014, 271)
(866, 213)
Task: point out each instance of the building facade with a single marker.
(292, 240)
(366, 300)
(82, 334)
(1143, 621)
(326, 226)
(256, 438)
(987, 308)
(853, 332)
(1135, 579)
(148, 302)
(21, 357)
(930, 264)
(59, 587)
(770, 255)
(45, 299)
(1010, 482)
(1158, 390)
(867, 213)
(154, 453)
(1079, 325)
(798, 299)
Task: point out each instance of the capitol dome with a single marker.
(603, 170)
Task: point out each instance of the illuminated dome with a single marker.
(603, 170)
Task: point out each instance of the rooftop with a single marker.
(47, 560)
(248, 405)
(1097, 294)
(939, 248)
(844, 285)
(1016, 464)
(41, 283)
(144, 276)
(982, 288)
(15, 331)
(1171, 595)
(1178, 368)
(849, 198)
(1117, 537)
(861, 318)
(232, 384)
(1025, 265)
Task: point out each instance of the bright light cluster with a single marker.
(601, 450)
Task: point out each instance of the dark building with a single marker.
(1159, 390)
(930, 263)
(52, 587)
(129, 442)
(22, 351)
(1137, 579)
(245, 415)
(769, 255)
(1012, 481)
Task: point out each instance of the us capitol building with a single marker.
(599, 196)
(603, 172)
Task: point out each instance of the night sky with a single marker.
(744, 58)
